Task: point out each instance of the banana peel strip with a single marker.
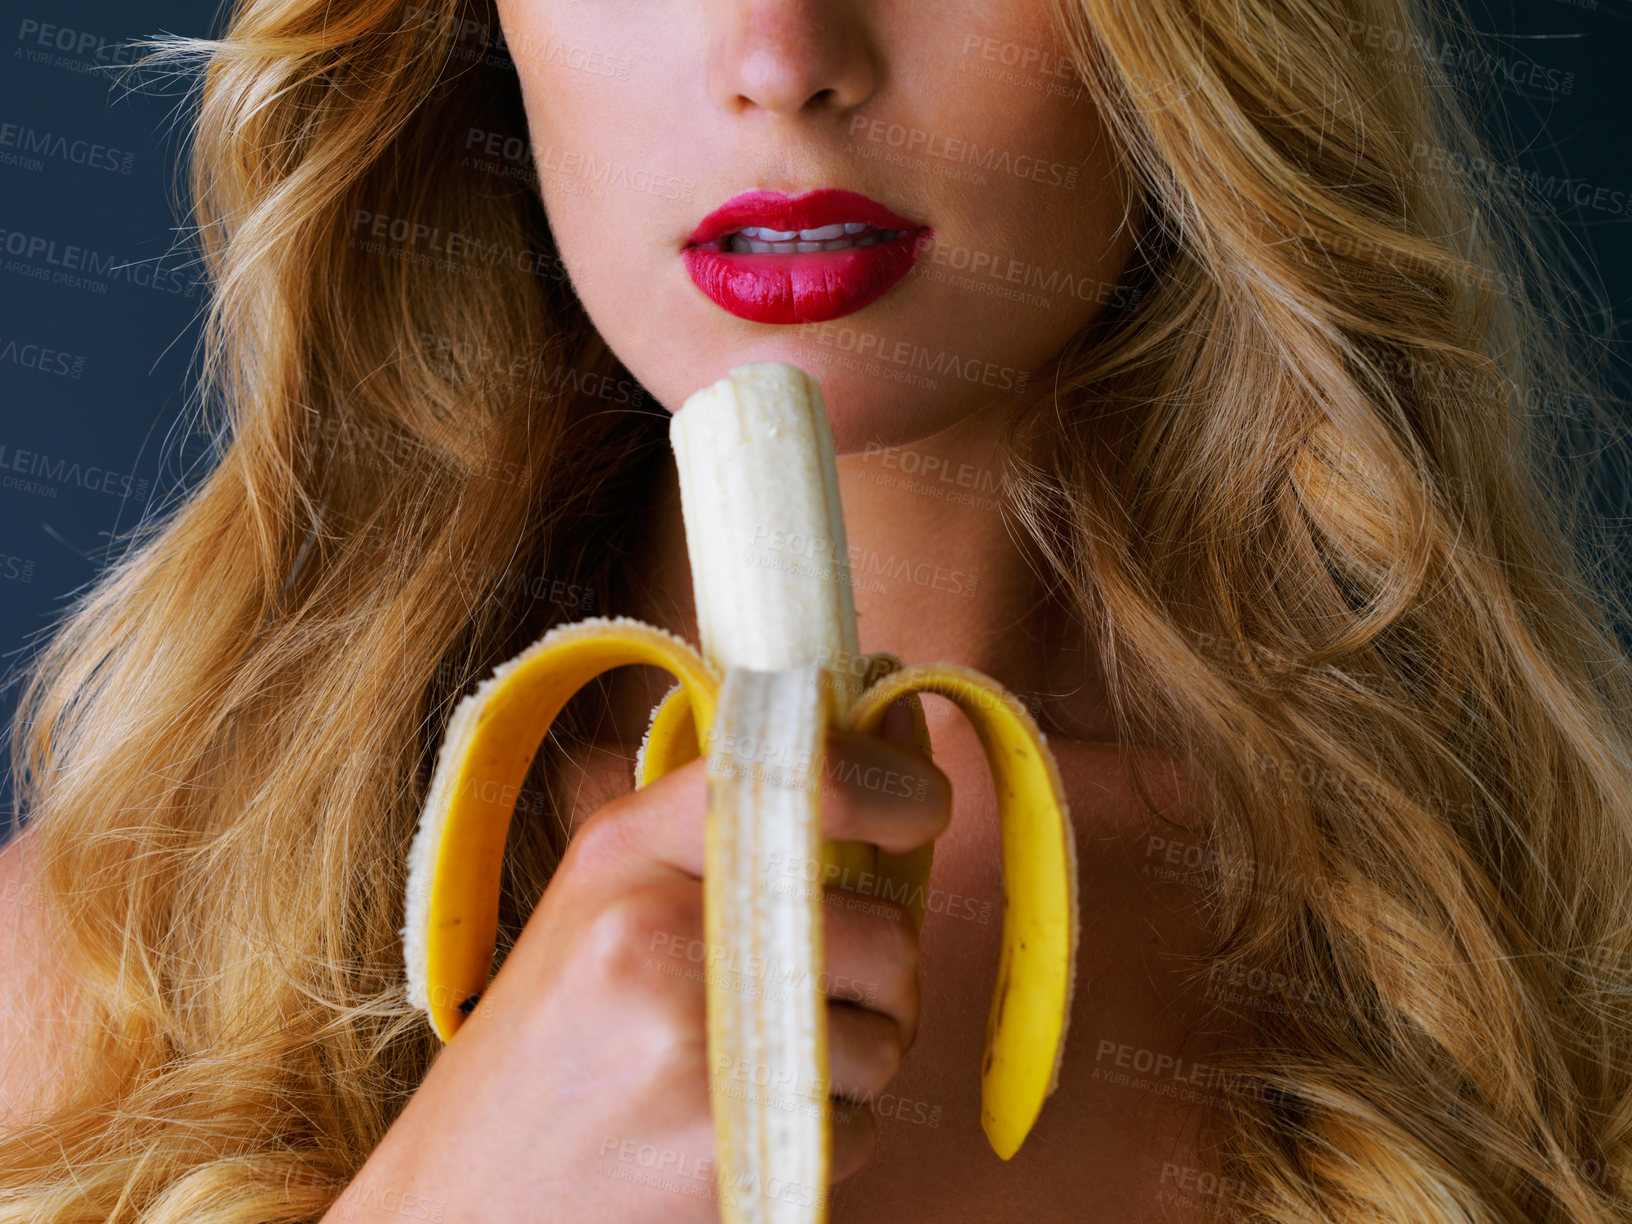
(454, 865)
(1036, 977)
(670, 740)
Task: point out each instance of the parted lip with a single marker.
(773, 210)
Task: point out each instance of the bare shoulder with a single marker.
(37, 1022)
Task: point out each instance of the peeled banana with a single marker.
(778, 665)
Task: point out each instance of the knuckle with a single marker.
(675, 1058)
(600, 842)
(884, 1050)
(632, 929)
(897, 940)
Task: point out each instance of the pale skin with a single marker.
(581, 1053)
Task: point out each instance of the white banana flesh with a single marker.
(759, 493)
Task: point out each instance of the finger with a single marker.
(870, 790)
(863, 1051)
(903, 725)
(855, 1133)
(871, 958)
(644, 836)
(883, 793)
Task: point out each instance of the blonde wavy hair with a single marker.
(1305, 488)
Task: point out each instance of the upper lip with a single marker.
(773, 210)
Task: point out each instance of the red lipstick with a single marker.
(765, 278)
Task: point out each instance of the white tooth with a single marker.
(741, 244)
(744, 238)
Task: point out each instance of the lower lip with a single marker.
(806, 287)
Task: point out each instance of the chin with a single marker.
(880, 404)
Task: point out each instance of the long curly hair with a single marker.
(1306, 488)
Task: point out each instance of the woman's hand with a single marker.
(578, 1087)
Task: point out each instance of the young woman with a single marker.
(1199, 391)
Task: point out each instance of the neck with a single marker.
(936, 576)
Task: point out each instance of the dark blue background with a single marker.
(111, 395)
